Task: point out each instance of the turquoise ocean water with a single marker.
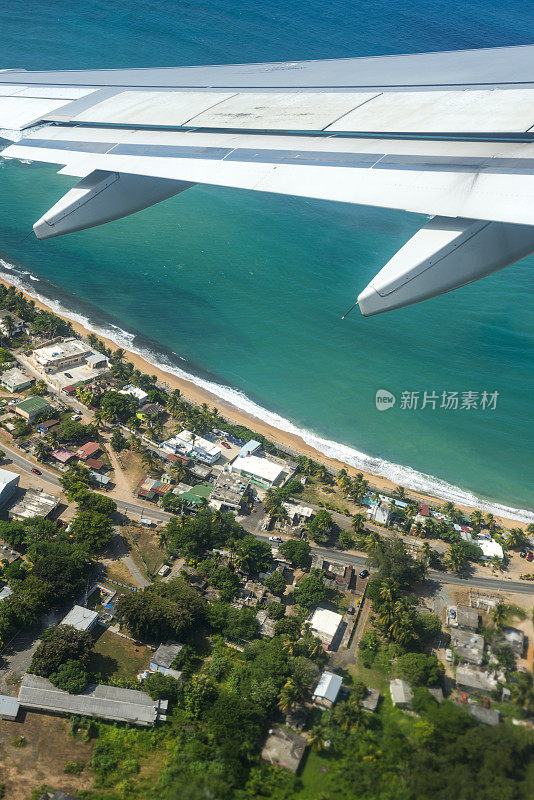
(245, 291)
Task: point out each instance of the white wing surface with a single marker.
(450, 135)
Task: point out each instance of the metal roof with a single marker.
(328, 686)
(80, 618)
(106, 702)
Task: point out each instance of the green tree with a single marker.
(117, 441)
(71, 676)
(276, 583)
(321, 526)
(165, 687)
(419, 669)
(297, 551)
(92, 529)
(58, 646)
(310, 590)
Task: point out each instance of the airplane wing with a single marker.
(450, 135)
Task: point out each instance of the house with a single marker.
(229, 492)
(401, 693)
(62, 455)
(327, 690)
(515, 639)
(95, 464)
(9, 482)
(30, 408)
(467, 645)
(490, 548)
(88, 450)
(9, 707)
(200, 470)
(134, 391)
(249, 448)
(260, 471)
(149, 411)
(103, 702)
(370, 700)
(284, 748)
(15, 380)
(189, 444)
(380, 512)
(297, 513)
(325, 624)
(83, 619)
(103, 480)
(46, 425)
(337, 575)
(488, 716)
(467, 617)
(151, 488)
(475, 680)
(10, 324)
(267, 625)
(162, 659)
(35, 503)
(61, 355)
(5, 592)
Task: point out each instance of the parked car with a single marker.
(363, 574)
(530, 555)
(523, 554)
(452, 613)
(276, 539)
(351, 610)
(448, 654)
(225, 444)
(76, 417)
(37, 471)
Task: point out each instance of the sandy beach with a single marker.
(283, 439)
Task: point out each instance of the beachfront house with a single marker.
(10, 324)
(190, 445)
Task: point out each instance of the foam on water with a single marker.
(397, 473)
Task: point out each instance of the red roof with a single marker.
(69, 389)
(88, 450)
(62, 455)
(424, 511)
(94, 463)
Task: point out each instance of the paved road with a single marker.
(125, 507)
(130, 507)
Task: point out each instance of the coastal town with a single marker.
(166, 571)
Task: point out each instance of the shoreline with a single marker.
(286, 440)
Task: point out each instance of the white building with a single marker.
(327, 689)
(186, 443)
(61, 355)
(401, 693)
(83, 619)
(325, 624)
(15, 380)
(15, 326)
(135, 391)
(258, 470)
(9, 482)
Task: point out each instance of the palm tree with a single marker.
(344, 715)
(357, 523)
(373, 541)
(317, 738)
(477, 519)
(490, 522)
(42, 450)
(288, 696)
(498, 615)
(288, 645)
(515, 537)
(522, 691)
(449, 509)
(399, 493)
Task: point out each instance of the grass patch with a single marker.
(118, 571)
(145, 543)
(115, 657)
